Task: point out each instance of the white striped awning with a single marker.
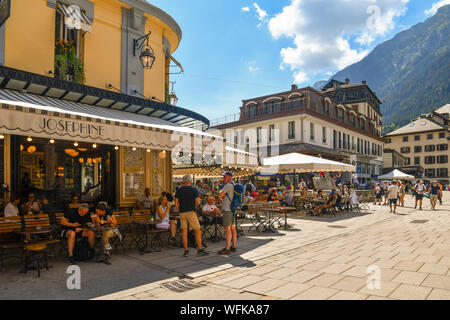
(75, 17)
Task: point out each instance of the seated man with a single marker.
(73, 224)
(106, 216)
(211, 212)
(331, 202)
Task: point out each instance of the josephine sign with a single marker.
(69, 126)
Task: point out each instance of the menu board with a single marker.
(133, 172)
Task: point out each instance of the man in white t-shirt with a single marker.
(420, 189)
(146, 202)
(393, 195)
(11, 209)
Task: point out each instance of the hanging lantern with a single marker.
(31, 149)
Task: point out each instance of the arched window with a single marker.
(251, 110)
(295, 101)
(272, 106)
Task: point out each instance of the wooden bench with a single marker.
(41, 221)
(124, 225)
(8, 227)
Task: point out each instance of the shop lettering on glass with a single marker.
(69, 126)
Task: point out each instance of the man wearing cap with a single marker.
(73, 224)
(227, 194)
(187, 199)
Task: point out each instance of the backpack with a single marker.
(82, 251)
(238, 197)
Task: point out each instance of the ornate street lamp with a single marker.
(172, 96)
(147, 56)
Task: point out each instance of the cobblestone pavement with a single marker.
(327, 259)
(321, 258)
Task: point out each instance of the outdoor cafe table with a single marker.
(270, 221)
(99, 229)
(216, 235)
(285, 209)
(146, 224)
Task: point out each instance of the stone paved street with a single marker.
(322, 258)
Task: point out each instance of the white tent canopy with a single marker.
(396, 174)
(296, 162)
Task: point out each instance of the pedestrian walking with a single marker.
(419, 189)
(434, 191)
(393, 195)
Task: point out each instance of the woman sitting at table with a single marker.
(331, 202)
(102, 217)
(273, 196)
(163, 214)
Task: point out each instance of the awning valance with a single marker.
(29, 114)
(74, 17)
(39, 116)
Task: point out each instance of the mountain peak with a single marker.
(409, 72)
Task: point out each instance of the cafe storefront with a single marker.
(58, 148)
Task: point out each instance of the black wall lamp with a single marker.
(147, 56)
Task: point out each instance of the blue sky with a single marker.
(237, 49)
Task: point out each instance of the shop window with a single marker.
(61, 169)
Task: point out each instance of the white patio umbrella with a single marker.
(396, 174)
(299, 163)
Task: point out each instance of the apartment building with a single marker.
(340, 122)
(424, 143)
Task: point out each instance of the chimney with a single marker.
(294, 87)
(347, 81)
(364, 82)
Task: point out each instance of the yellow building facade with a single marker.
(84, 85)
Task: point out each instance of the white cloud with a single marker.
(252, 67)
(322, 32)
(436, 5)
(245, 9)
(261, 13)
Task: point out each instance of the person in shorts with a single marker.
(434, 191)
(393, 195)
(420, 189)
(186, 200)
(73, 224)
(226, 195)
(378, 194)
